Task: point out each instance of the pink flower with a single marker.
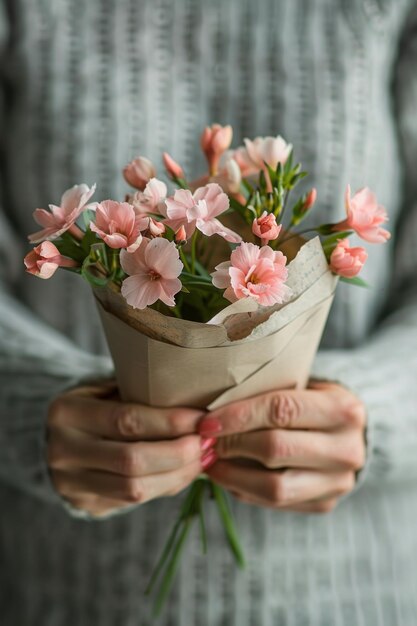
(138, 172)
(62, 218)
(266, 227)
(153, 273)
(364, 216)
(253, 272)
(200, 210)
(271, 150)
(118, 225)
(215, 140)
(151, 200)
(347, 261)
(44, 260)
(173, 169)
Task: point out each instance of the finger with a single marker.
(296, 448)
(124, 489)
(121, 421)
(97, 506)
(325, 505)
(68, 449)
(280, 489)
(316, 409)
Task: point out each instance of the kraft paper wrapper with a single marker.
(243, 351)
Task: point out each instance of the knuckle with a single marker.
(284, 410)
(277, 448)
(176, 423)
(355, 414)
(186, 450)
(276, 490)
(126, 421)
(353, 456)
(129, 461)
(349, 482)
(134, 491)
(226, 447)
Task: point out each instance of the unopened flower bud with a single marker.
(266, 227)
(181, 235)
(172, 167)
(139, 172)
(215, 140)
(310, 199)
(234, 176)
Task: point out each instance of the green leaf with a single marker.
(93, 279)
(88, 240)
(359, 282)
(229, 527)
(333, 239)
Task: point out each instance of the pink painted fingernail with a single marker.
(209, 426)
(208, 459)
(207, 443)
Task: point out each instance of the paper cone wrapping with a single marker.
(244, 351)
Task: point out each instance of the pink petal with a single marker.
(215, 227)
(169, 287)
(46, 269)
(45, 218)
(245, 255)
(141, 291)
(162, 256)
(134, 263)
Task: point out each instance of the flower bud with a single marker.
(138, 172)
(215, 140)
(172, 167)
(310, 199)
(266, 227)
(181, 235)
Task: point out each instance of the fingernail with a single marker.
(207, 443)
(209, 426)
(208, 459)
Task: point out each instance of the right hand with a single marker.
(104, 454)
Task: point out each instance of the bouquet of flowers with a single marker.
(211, 282)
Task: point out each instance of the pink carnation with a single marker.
(252, 157)
(365, 216)
(200, 210)
(44, 260)
(347, 261)
(118, 225)
(254, 272)
(153, 273)
(62, 218)
(266, 227)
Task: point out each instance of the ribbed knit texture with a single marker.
(85, 87)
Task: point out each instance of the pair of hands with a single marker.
(296, 450)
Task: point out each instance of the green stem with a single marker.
(184, 260)
(194, 250)
(301, 232)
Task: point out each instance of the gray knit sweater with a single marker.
(87, 85)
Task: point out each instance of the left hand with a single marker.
(296, 450)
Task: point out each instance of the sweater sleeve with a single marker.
(383, 371)
(36, 363)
